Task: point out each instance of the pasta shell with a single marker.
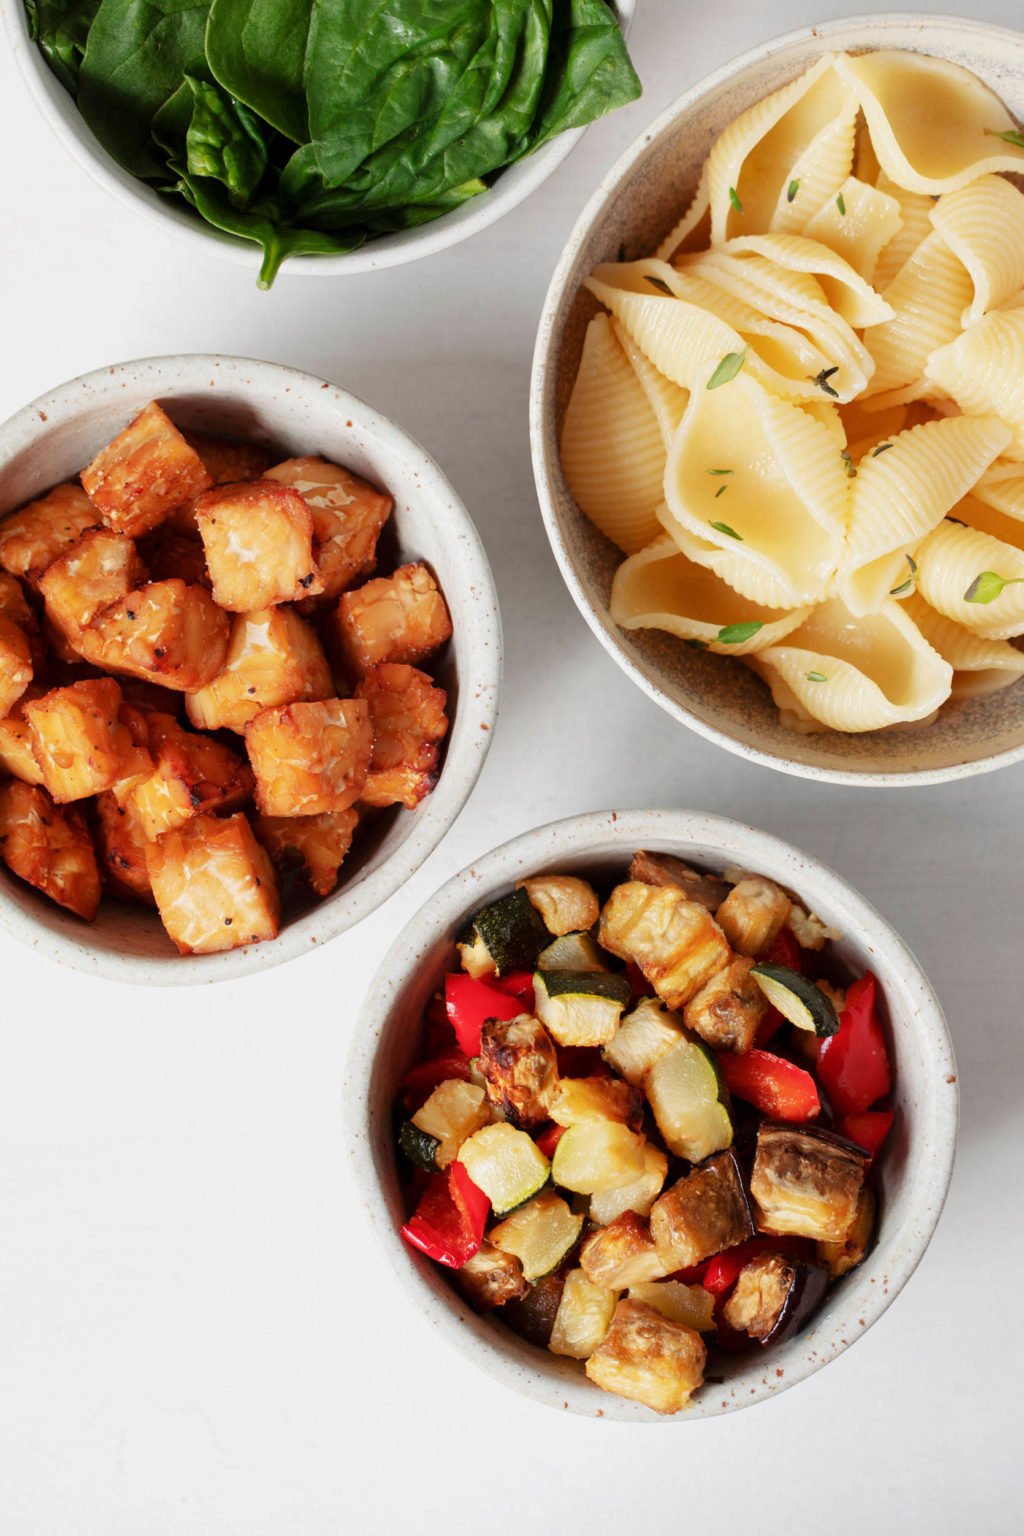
(983, 225)
(667, 400)
(692, 223)
(983, 371)
(845, 291)
(857, 223)
(951, 559)
(980, 666)
(929, 296)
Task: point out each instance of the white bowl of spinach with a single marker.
(341, 135)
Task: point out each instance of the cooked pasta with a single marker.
(802, 418)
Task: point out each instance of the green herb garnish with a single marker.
(816, 677)
(958, 520)
(734, 198)
(1011, 136)
(905, 586)
(882, 448)
(724, 528)
(727, 369)
(698, 645)
(851, 468)
(721, 471)
(738, 634)
(822, 381)
(660, 284)
(987, 587)
(721, 491)
(792, 190)
(841, 204)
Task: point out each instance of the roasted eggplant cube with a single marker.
(852, 1249)
(663, 869)
(214, 885)
(147, 471)
(775, 1296)
(648, 1358)
(409, 723)
(506, 935)
(727, 1011)
(533, 1315)
(49, 847)
(121, 848)
(753, 914)
(583, 1318)
(806, 1182)
(578, 1099)
(401, 617)
(581, 1008)
(166, 633)
(566, 903)
(520, 1068)
(621, 1254)
(191, 775)
(701, 1214)
(676, 942)
(15, 664)
(32, 538)
(491, 1278)
(310, 759)
(273, 658)
(317, 845)
(348, 515)
(78, 739)
(97, 571)
(258, 538)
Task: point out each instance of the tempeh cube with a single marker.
(191, 775)
(214, 885)
(676, 942)
(78, 740)
(14, 605)
(228, 459)
(273, 657)
(310, 758)
(15, 664)
(17, 760)
(176, 555)
(727, 1010)
(33, 537)
(401, 617)
(121, 847)
(165, 632)
(408, 720)
(318, 844)
(96, 572)
(258, 537)
(348, 515)
(49, 848)
(648, 1358)
(144, 473)
(753, 914)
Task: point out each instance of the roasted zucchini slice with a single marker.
(685, 1091)
(452, 1113)
(507, 935)
(520, 1068)
(573, 952)
(774, 1296)
(727, 1011)
(491, 1278)
(597, 1154)
(583, 1318)
(506, 1164)
(419, 1146)
(580, 1007)
(577, 1099)
(621, 1254)
(646, 1034)
(638, 1196)
(648, 1358)
(797, 998)
(689, 1304)
(753, 914)
(663, 869)
(847, 1254)
(701, 1214)
(806, 1182)
(676, 942)
(540, 1235)
(566, 904)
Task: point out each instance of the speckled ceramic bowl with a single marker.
(57, 107)
(51, 439)
(915, 1170)
(635, 206)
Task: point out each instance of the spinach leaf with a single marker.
(61, 27)
(256, 50)
(589, 72)
(223, 141)
(136, 58)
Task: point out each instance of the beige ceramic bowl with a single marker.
(914, 1172)
(51, 439)
(635, 206)
(510, 188)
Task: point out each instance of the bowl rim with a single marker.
(467, 746)
(393, 250)
(541, 848)
(542, 382)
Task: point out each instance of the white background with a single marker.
(195, 1336)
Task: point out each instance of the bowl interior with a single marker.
(631, 213)
(56, 436)
(913, 1174)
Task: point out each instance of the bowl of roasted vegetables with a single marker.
(654, 1114)
(249, 662)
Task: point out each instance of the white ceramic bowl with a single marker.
(510, 188)
(915, 1170)
(634, 207)
(51, 440)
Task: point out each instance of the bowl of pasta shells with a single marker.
(776, 410)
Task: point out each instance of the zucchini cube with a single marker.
(583, 1318)
(258, 538)
(78, 739)
(687, 1097)
(409, 723)
(401, 617)
(450, 1115)
(621, 1254)
(647, 1033)
(121, 848)
(93, 574)
(144, 473)
(34, 536)
(637, 1196)
(649, 1359)
(165, 632)
(701, 1214)
(15, 664)
(318, 845)
(348, 515)
(49, 848)
(597, 1154)
(506, 1164)
(540, 1235)
(214, 885)
(273, 658)
(580, 1007)
(310, 759)
(676, 942)
(689, 1304)
(191, 775)
(579, 1099)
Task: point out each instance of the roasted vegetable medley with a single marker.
(189, 636)
(644, 1129)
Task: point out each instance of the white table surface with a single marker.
(195, 1335)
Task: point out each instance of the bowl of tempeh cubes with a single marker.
(250, 656)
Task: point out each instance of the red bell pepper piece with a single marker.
(773, 1085)
(868, 1129)
(769, 1026)
(638, 981)
(420, 1081)
(517, 984)
(853, 1064)
(448, 1224)
(784, 950)
(692, 1276)
(549, 1138)
(581, 1061)
(470, 1003)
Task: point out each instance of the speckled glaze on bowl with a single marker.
(915, 1171)
(511, 188)
(56, 435)
(635, 206)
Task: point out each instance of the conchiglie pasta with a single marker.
(977, 513)
(842, 287)
(856, 223)
(934, 126)
(983, 371)
(821, 169)
(752, 579)
(983, 225)
(980, 666)
(695, 225)
(915, 226)
(856, 674)
(659, 588)
(901, 495)
(951, 560)
(613, 450)
(929, 296)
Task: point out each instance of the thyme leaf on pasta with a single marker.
(882, 448)
(850, 466)
(816, 677)
(721, 491)
(738, 634)
(822, 381)
(727, 369)
(986, 587)
(721, 471)
(792, 189)
(660, 284)
(841, 204)
(905, 586)
(734, 199)
(724, 528)
(1011, 136)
